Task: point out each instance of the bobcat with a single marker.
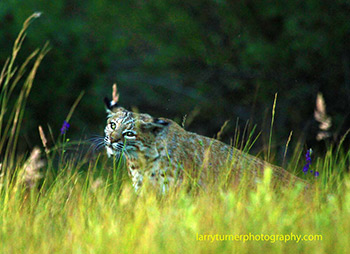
(158, 150)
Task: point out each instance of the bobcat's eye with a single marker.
(113, 125)
(129, 134)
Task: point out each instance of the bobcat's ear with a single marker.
(111, 105)
(160, 122)
(156, 126)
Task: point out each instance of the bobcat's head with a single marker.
(132, 134)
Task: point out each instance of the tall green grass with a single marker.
(89, 206)
(14, 78)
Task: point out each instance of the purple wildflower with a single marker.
(308, 163)
(65, 127)
(306, 168)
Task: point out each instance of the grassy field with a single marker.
(69, 203)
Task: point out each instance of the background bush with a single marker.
(226, 59)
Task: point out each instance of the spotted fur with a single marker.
(158, 150)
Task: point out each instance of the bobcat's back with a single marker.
(212, 158)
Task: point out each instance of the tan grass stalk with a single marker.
(184, 121)
(43, 139)
(320, 115)
(190, 117)
(218, 136)
(271, 127)
(11, 118)
(75, 104)
(285, 151)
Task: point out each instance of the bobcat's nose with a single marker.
(114, 140)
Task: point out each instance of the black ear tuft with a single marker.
(108, 103)
(160, 121)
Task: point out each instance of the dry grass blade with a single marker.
(75, 104)
(286, 149)
(11, 118)
(218, 136)
(43, 138)
(271, 127)
(190, 117)
(184, 121)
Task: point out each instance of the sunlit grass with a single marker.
(86, 211)
(89, 206)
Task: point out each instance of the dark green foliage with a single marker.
(227, 58)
